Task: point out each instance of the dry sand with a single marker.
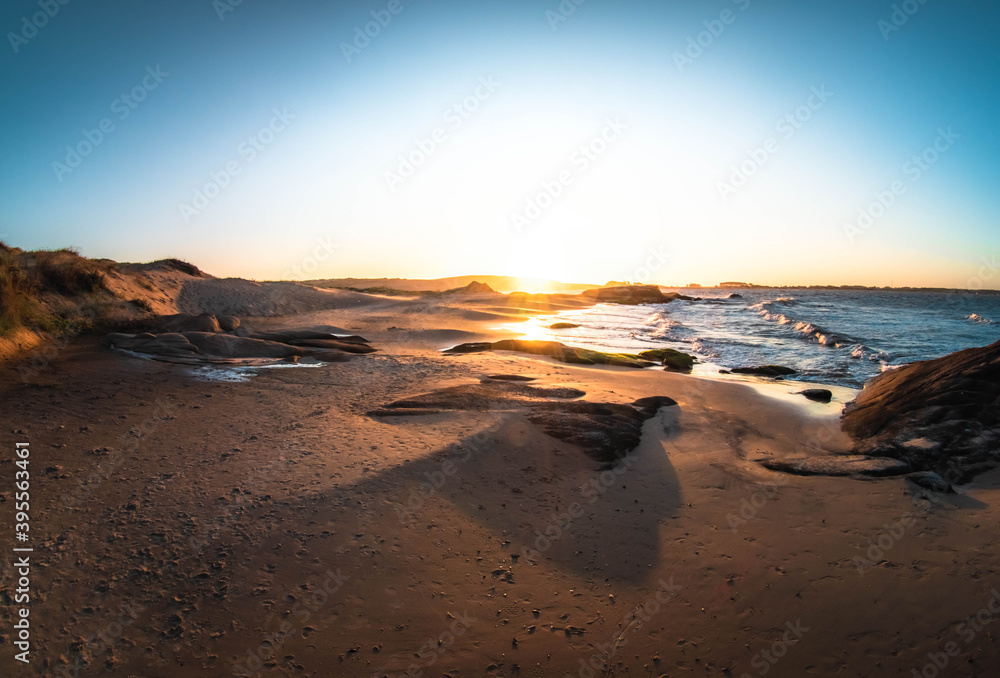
(185, 527)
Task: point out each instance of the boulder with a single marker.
(228, 323)
(939, 415)
(820, 395)
(765, 370)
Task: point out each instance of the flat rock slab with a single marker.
(839, 465)
(604, 431)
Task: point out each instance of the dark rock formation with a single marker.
(820, 395)
(839, 465)
(931, 481)
(938, 415)
(187, 322)
(236, 345)
(631, 295)
(675, 361)
(557, 350)
(764, 370)
(474, 287)
(605, 431)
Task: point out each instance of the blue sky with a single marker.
(544, 142)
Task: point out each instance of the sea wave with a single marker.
(660, 326)
(767, 311)
(976, 318)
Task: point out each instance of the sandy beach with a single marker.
(272, 526)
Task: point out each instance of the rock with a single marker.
(654, 403)
(228, 346)
(630, 294)
(820, 395)
(347, 347)
(839, 465)
(328, 357)
(764, 370)
(939, 415)
(187, 322)
(735, 295)
(563, 326)
(511, 377)
(474, 287)
(931, 481)
(557, 350)
(228, 323)
(474, 347)
(605, 431)
(675, 361)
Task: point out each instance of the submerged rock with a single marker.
(764, 370)
(563, 326)
(938, 415)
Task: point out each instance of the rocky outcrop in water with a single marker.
(632, 295)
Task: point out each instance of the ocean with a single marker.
(841, 337)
